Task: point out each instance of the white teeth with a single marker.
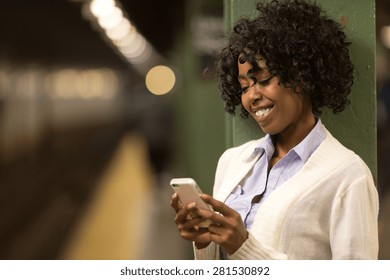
(262, 112)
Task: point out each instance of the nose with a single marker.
(254, 93)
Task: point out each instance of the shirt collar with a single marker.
(311, 142)
(265, 145)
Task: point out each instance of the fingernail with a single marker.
(192, 205)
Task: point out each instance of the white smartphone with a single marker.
(188, 191)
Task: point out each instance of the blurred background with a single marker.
(101, 104)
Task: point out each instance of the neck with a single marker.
(292, 136)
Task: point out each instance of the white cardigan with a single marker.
(328, 210)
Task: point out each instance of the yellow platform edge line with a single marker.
(115, 222)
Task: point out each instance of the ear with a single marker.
(299, 87)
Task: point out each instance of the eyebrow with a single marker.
(249, 74)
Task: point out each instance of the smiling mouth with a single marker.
(263, 112)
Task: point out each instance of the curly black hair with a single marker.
(300, 45)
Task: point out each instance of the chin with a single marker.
(270, 131)
(267, 131)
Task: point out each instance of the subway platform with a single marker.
(130, 216)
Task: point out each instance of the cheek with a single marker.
(292, 104)
(245, 102)
(287, 110)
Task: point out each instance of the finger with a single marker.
(207, 214)
(216, 229)
(175, 202)
(193, 209)
(193, 223)
(184, 229)
(199, 236)
(204, 213)
(217, 205)
(181, 215)
(184, 213)
(196, 212)
(215, 217)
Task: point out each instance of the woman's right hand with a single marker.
(188, 226)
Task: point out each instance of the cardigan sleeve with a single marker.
(252, 249)
(354, 221)
(208, 253)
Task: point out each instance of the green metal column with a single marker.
(199, 137)
(356, 126)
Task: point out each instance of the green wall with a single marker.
(200, 124)
(356, 126)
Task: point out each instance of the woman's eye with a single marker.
(266, 81)
(262, 83)
(244, 89)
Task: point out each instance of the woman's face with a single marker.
(277, 109)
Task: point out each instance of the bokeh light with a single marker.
(160, 80)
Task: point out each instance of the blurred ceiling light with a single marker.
(135, 48)
(138, 52)
(160, 80)
(100, 8)
(142, 55)
(112, 19)
(385, 36)
(119, 31)
(122, 34)
(127, 40)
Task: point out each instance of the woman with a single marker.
(296, 193)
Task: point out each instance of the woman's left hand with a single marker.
(228, 229)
